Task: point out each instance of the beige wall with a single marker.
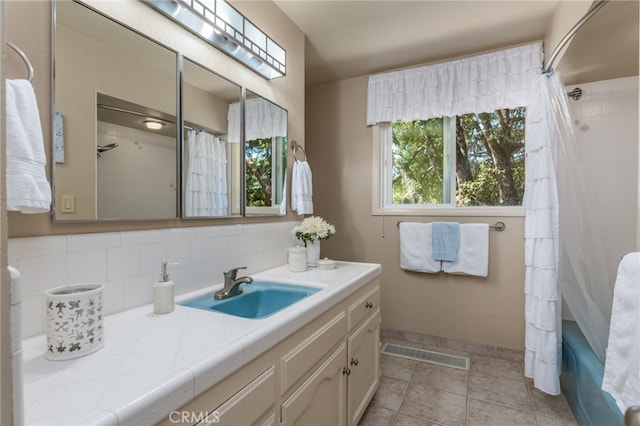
(566, 15)
(29, 26)
(339, 146)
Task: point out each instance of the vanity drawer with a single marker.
(297, 362)
(249, 404)
(363, 307)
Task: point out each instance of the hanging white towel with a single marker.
(416, 248)
(622, 366)
(473, 252)
(28, 190)
(301, 188)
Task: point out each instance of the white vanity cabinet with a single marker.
(340, 389)
(325, 373)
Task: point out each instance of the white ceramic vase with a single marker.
(74, 319)
(313, 253)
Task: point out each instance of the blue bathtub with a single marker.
(581, 381)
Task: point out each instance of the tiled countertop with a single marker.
(153, 364)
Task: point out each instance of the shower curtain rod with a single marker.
(139, 114)
(572, 32)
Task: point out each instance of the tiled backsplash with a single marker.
(129, 262)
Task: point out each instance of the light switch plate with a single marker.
(68, 203)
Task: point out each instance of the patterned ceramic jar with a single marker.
(74, 319)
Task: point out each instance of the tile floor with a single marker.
(493, 392)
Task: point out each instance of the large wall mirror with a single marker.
(265, 157)
(117, 148)
(211, 167)
(115, 134)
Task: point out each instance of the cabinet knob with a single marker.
(354, 361)
(368, 305)
(346, 371)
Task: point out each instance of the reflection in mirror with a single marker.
(115, 138)
(211, 162)
(265, 156)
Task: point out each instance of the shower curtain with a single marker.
(206, 186)
(563, 245)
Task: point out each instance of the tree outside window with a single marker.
(482, 153)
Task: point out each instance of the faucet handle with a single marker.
(231, 273)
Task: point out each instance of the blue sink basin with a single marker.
(259, 300)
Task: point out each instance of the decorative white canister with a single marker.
(74, 320)
(297, 259)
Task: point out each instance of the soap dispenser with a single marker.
(163, 291)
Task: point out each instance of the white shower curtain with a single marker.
(563, 245)
(206, 186)
(543, 327)
(583, 278)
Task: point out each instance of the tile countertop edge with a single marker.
(206, 372)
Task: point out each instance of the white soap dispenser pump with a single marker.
(163, 292)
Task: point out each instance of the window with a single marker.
(471, 160)
(265, 167)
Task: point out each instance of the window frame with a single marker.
(381, 183)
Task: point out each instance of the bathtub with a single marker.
(581, 381)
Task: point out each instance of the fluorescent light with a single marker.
(153, 124)
(235, 34)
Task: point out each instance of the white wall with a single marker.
(128, 263)
(138, 177)
(606, 124)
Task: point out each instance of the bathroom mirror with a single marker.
(265, 157)
(115, 153)
(211, 167)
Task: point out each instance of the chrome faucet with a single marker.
(232, 284)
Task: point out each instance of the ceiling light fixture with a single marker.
(153, 124)
(234, 34)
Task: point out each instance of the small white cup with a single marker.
(297, 259)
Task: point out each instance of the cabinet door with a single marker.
(248, 406)
(364, 364)
(321, 399)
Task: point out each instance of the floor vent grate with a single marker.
(447, 360)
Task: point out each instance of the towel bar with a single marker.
(499, 226)
(24, 58)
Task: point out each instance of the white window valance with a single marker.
(264, 120)
(501, 79)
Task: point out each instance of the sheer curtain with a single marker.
(583, 277)
(555, 171)
(206, 186)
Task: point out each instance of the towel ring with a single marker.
(295, 146)
(24, 58)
